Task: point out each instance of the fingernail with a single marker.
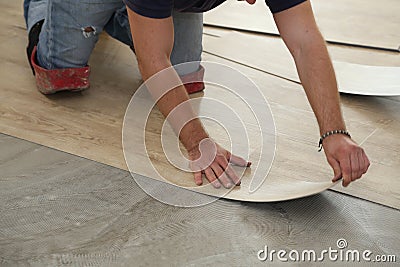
(228, 185)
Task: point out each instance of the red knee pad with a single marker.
(77, 79)
(52, 81)
(194, 87)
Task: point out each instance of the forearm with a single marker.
(300, 33)
(193, 132)
(154, 39)
(317, 76)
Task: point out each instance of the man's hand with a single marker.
(213, 160)
(346, 158)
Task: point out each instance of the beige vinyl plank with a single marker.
(358, 22)
(296, 160)
(374, 113)
(280, 184)
(355, 55)
(89, 124)
(352, 77)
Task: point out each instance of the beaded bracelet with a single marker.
(325, 135)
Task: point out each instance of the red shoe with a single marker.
(194, 87)
(52, 81)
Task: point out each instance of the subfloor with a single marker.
(59, 209)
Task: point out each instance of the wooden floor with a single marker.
(379, 116)
(358, 71)
(89, 124)
(78, 205)
(358, 22)
(59, 209)
(251, 134)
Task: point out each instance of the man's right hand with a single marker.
(214, 161)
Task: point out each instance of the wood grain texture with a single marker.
(379, 114)
(353, 78)
(295, 147)
(358, 22)
(59, 209)
(89, 124)
(280, 184)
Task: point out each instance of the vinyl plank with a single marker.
(296, 146)
(52, 120)
(89, 124)
(356, 55)
(374, 113)
(362, 23)
(364, 79)
(77, 123)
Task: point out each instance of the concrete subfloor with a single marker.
(58, 209)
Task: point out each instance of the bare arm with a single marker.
(153, 39)
(302, 37)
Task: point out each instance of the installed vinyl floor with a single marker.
(358, 71)
(379, 116)
(89, 124)
(59, 209)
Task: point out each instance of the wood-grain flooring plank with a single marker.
(89, 124)
(359, 22)
(375, 113)
(378, 77)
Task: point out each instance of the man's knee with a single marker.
(52, 80)
(55, 80)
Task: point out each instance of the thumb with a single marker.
(337, 171)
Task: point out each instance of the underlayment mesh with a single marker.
(58, 209)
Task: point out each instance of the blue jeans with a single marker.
(71, 29)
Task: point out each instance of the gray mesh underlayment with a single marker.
(58, 209)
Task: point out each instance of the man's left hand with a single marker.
(347, 159)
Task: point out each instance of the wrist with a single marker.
(328, 134)
(332, 120)
(192, 134)
(340, 125)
